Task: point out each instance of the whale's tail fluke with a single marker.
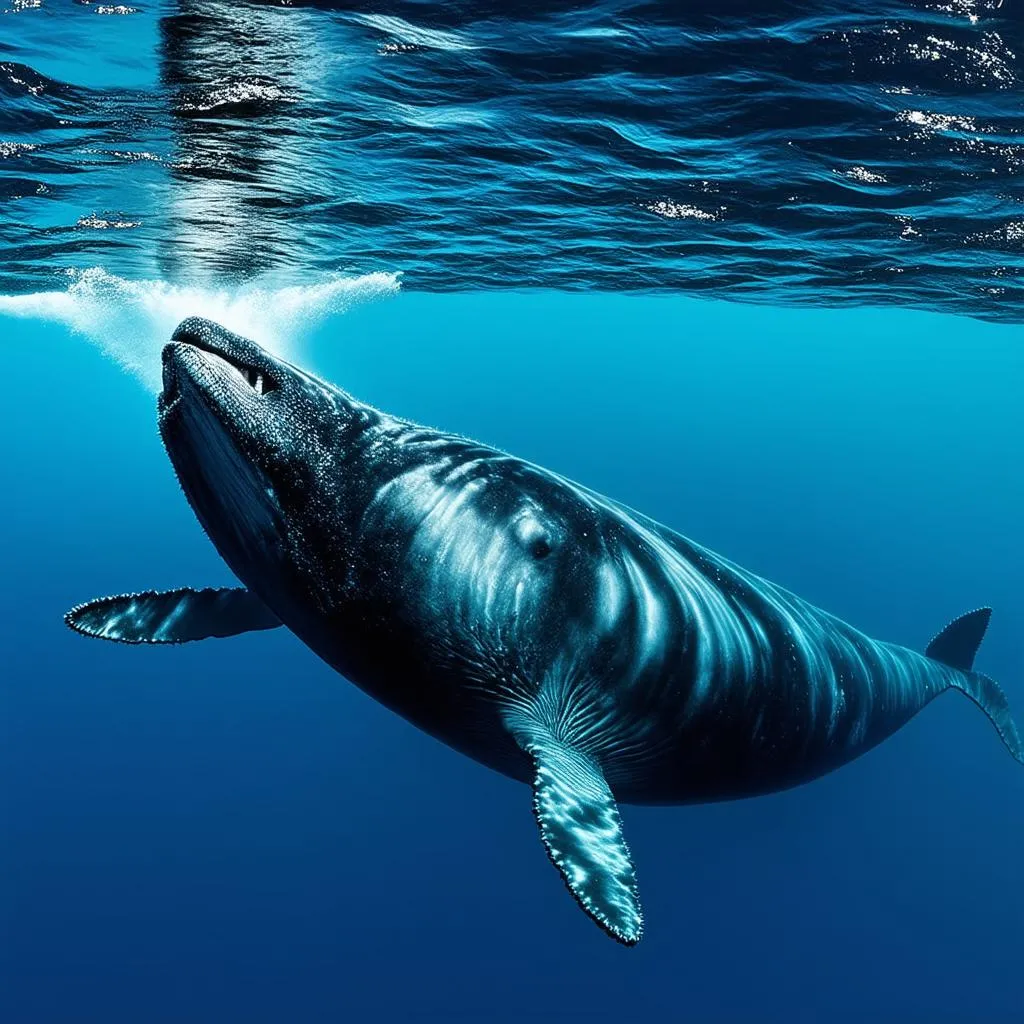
(989, 696)
(956, 646)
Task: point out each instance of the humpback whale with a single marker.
(553, 634)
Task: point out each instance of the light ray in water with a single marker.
(130, 321)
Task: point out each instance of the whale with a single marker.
(550, 633)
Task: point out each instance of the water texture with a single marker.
(786, 151)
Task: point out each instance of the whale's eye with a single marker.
(534, 538)
(540, 548)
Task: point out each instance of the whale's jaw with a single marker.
(214, 417)
(266, 455)
(232, 375)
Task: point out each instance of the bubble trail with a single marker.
(130, 321)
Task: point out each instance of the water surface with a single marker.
(793, 150)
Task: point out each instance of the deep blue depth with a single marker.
(229, 832)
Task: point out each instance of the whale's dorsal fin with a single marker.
(958, 643)
(582, 831)
(172, 616)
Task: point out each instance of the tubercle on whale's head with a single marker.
(260, 449)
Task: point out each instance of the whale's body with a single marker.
(544, 630)
(714, 683)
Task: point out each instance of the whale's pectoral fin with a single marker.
(582, 832)
(172, 616)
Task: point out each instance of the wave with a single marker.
(130, 321)
(821, 151)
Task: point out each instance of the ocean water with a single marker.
(230, 831)
(427, 204)
(866, 151)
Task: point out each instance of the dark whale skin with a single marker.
(464, 588)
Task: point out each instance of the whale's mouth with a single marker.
(199, 350)
(219, 421)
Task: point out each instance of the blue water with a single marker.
(230, 832)
(793, 150)
(521, 226)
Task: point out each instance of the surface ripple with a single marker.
(820, 152)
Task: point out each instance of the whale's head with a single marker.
(259, 448)
(437, 556)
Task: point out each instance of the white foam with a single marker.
(415, 35)
(131, 321)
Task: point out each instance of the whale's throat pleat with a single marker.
(231, 496)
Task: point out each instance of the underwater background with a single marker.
(526, 228)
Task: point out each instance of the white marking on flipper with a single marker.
(581, 830)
